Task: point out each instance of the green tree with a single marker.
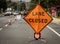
(43, 3)
(14, 5)
(9, 3)
(35, 1)
(22, 6)
(3, 5)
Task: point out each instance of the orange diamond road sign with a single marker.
(38, 19)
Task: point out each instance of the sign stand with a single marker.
(37, 36)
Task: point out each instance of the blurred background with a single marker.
(25, 5)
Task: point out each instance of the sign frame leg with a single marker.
(37, 36)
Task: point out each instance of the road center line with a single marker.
(6, 25)
(53, 31)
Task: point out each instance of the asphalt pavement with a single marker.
(5, 19)
(20, 32)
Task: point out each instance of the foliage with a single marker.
(46, 3)
(22, 6)
(14, 5)
(3, 5)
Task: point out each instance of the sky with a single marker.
(22, 0)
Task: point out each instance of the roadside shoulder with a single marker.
(56, 20)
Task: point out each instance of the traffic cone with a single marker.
(9, 22)
(15, 19)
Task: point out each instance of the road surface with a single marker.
(21, 33)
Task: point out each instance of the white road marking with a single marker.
(6, 25)
(1, 29)
(53, 31)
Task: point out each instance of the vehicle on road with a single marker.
(8, 13)
(15, 13)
